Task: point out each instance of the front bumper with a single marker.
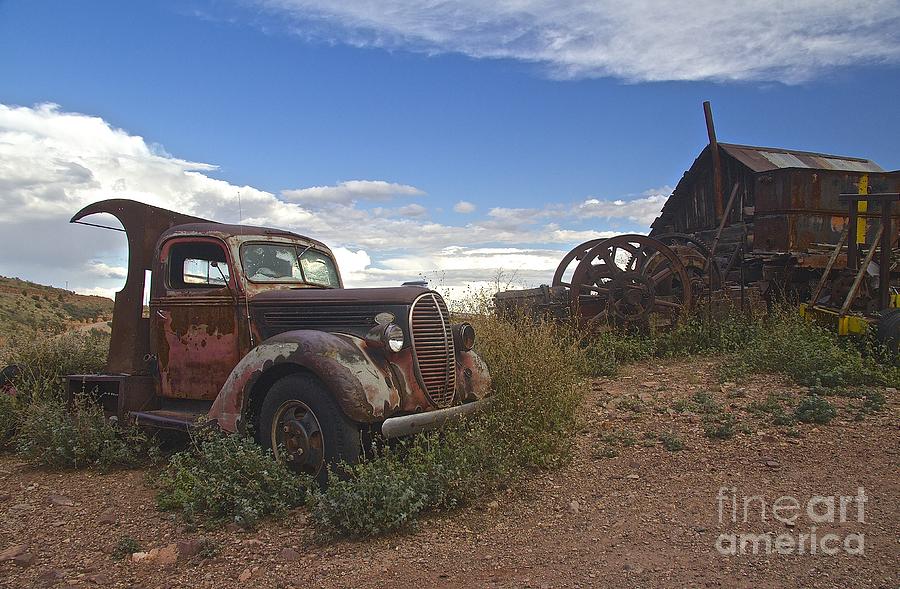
(406, 425)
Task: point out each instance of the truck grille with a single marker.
(433, 347)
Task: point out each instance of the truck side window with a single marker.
(197, 265)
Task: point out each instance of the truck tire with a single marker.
(888, 332)
(303, 425)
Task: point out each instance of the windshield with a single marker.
(287, 263)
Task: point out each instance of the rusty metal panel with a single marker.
(767, 159)
(143, 226)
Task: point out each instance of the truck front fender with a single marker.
(356, 379)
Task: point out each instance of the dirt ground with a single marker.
(626, 513)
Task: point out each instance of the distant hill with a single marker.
(27, 307)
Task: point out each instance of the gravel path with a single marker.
(626, 512)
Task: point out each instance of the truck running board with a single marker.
(177, 419)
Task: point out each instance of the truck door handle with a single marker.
(162, 314)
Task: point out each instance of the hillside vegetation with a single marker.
(27, 307)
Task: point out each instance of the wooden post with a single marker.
(884, 265)
(716, 159)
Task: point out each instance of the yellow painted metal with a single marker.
(861, 207)
(846, 325)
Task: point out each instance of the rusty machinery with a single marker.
(628, 281)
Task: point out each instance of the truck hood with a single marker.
(400, 295)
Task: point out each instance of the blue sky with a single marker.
(525, 114)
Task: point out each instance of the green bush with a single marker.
(772, 408)
(720, 426)
(57, 435)
(810, 355)
(43, 361)
(228, 478)
(9, 418)
(815, 409)
(536, 370)
(606, 351)
(125, 547)
(671, 442)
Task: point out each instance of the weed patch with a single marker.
(720, 426)
(536, 370)
(227, 478)
(126, 546)
(810, 355)
(671, 442)
(58, 435)
(815, 409)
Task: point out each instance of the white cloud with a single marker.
(350, 191)
(52, 163)
(464, 207)
(641, 210)
(638, 40)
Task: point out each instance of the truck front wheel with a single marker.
(304, 427)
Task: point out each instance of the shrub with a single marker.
(9, 417)
(815, 409)
(730, 333)
(222, 478)
(536, 369)
(810, 355)
(719, 426)
(671, 442)
(44, 360)
(55, 435)
(125, 547)
(773, 408)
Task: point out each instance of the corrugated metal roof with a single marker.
(766, 159)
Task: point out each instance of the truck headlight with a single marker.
(388, 336)
(464, 336)
(393, 337)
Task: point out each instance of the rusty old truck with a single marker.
(251, 328)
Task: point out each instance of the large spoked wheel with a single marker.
(304, 427)
(630, 281)
(575, 255)
(697, 259)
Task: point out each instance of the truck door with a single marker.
(193, 318)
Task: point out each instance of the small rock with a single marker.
(493, 505)
(5, 496)
(143, 556)
(632, 476)
(245, 576)
(650, 384)
(99, 579)
(289, 555)
(24, 560)
(50, 576)
(167, 554)
(108, 516)
(189, 548)
(700, 529)
(60, 501)
(772, 464)
(253, 542)
(574, 506)
(13, 551)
